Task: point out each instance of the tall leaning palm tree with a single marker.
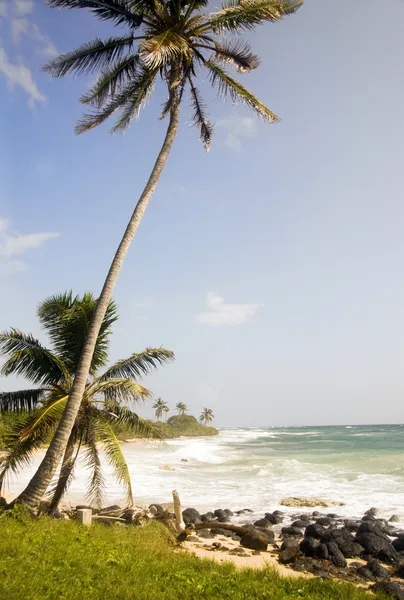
(174, 42)
(161, 407)
(103, 410)
(207, 416)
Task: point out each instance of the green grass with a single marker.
(61, 560)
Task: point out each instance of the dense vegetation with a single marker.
(47, 559)
(176, 426)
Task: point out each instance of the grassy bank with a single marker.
(178, 426)
(48, 560)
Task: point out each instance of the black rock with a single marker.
(324, 521)
(209, 516)
(243, 511)
(317, 532)
(288, 555)
(346, 543)
(375, 527)
(309, 546)
(332, 516)
(377, 570)
(255, 539)
(336, 555)
(372, 512)
(262, 523)
(351, 525)
(235, 537)
(398, 544)
(292, 531)
(399, 572)
(273, 518)
(191, 515)
(365, 573)
(220, 531)
(289, 542)
(279, 513)
(228, 512)
(389, 589)
(394, 519)
(206, 534)
(322, 551)
(376, 545)
(221, 515)
(160, 512)
(301, 524)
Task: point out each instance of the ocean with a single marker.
(362, 466)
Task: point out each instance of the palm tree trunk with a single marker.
(67, 467)
(36, 488)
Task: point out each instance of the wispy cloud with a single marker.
(18, 27)
(14, 244)
(18, 75)
(23, 7)
(237, 128)
(3, 8)
(222, 313)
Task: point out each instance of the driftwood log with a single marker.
(239, 530)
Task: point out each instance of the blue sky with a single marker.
(273, 265)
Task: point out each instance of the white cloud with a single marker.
(221, 313)
(14, 244)
(3, 8)
(19, 26)
(18, 75)
(47, 48)
(237, 128)
(23, 7)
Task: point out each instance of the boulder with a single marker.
(288, 555)
(336, 556)
(228, 513)
(377, 545)
(243, 511)
(372, 512)
(225, 532)
(351, 525)
(209, 516)
(262, 523)
(346, 543)
(206, 534)
(254, 540)
(365, 573)
(300, 524)
(324, 521)
(292, 531)
(399, 572)
(160, 512)
(393, 590)
(332, 516)
(274, 518)
(394, 519)
(289, 542)
(398, 544)
(298, 502)
(191, 515)
(377, 569)
(309, 546)
(317, 532)
(221, 515)
(322, 552)
(268, 534)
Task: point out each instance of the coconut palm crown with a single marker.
(160, 407)
(104, 408)
(207, 416)
(175, 41)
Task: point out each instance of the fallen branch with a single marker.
(217, 525)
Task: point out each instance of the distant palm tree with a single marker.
(207, 416)
(101, 415)
(177, 40)
(161, 407)
(182, 408)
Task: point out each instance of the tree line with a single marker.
(161, 408)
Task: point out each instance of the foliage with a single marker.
(48, 559)
(175, 41)
(207, 416)
(182, 408)
(101, 416)
(176, 426)
(161, 407)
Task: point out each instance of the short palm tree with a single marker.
(175, 42)
(161, 407)
(182, 408)
(102, 413)
(207, 416)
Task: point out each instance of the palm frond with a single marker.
(143, 87)
(238, 54)
(118, 390)
(122, 418)
(28, 358)
(41, 422)
(66, 320)
(91, 457)
(199, 118)
(238, 15)
(89, 57)
(227, 86)
(22, 400)
(115, 457)
(91, 120)
(160, 50)
(110, 79)
(139, 364)
(116, 11)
